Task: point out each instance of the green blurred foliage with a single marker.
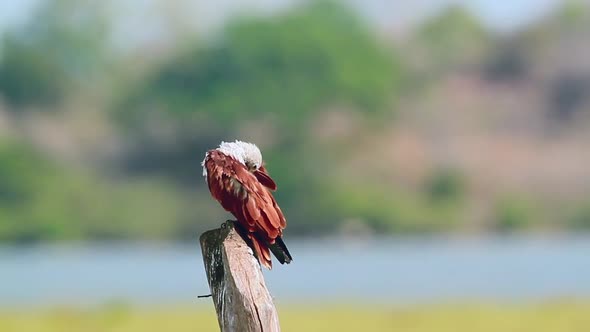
(39, 200)
(571, 15)
(445, 185)
(61, 47)
(453, 38)
(385, 209)
(580, 219)
(27, 77)
(270, 78)
(23, 175)
(287, 66)
(513, 214)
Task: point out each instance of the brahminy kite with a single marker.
(237, 179)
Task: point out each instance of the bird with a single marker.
(237, 178)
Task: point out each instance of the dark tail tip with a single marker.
(279, 249)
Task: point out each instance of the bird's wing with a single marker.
(263, 177)
(248, 199)
(260, 205)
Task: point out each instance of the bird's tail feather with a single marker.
(279, 249)
(262, 252)
(262, 248)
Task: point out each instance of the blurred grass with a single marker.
(555, 316)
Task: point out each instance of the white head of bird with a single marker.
(248, 154)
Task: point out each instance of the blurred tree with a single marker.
(569, 93)
(454, 37)
(40, 200)
(509, 61)
(382, 208)
(288, 65)
(571, 16)
(285, 68)
(580, 219)
(22, 174)
(513, 214)
(445, 185)
(61, 47)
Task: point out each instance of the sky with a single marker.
(501, 16)
(15, 12)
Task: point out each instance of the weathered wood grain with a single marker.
(239, 293)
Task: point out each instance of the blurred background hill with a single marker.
(370, 123)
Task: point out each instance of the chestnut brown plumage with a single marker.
(244, 189)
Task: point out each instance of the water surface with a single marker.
(324, 270)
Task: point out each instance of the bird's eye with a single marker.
(251, 167)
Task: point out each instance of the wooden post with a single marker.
(242, 302)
